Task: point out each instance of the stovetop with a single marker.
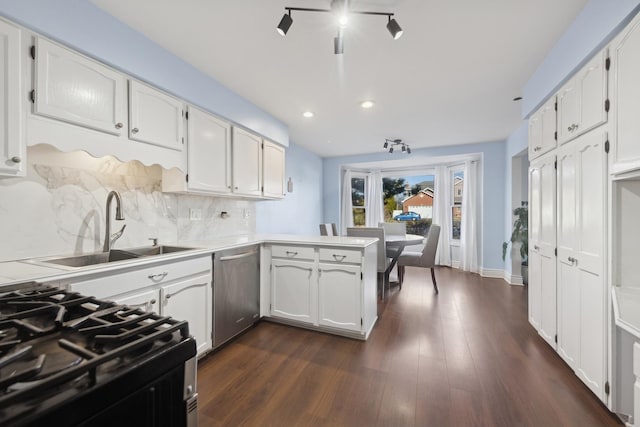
(53, 342)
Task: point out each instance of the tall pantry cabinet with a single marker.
(567, 223)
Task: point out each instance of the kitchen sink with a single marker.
(156, 250)
(113, 256)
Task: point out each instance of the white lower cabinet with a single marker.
(179, 289)
(293, 285)
(191, 300)
(339, 296)
(148, 300)
(330, 289)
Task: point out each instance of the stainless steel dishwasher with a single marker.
(236, 292)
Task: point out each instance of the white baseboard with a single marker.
(492, 272)
(455, 264)
(513, 279)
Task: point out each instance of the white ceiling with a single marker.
(450, 79)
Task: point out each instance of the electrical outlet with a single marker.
(195, 214)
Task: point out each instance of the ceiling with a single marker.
(450, 79)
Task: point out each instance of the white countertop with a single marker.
(26, 270)
(626, 308)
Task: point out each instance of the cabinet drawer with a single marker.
(292, 252)
(340, 255)
(122, 282)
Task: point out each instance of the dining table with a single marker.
(395, 244)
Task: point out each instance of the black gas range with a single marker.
(71, 360)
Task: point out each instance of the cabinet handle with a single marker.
(229, 187)
(236, 188)
(16, 159)
(158, 277)
(134, 130)
(569, 129)
(339, 258)
(289, 253)
(184, 289)
(153, 301)
(536, 247)
(119, 125)
(242, 255)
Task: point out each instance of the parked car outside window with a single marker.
(407, 216)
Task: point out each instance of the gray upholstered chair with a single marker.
(328, 229)
(383, 260)
(395, 228)
(424, 259)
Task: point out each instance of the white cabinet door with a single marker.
(75, 89)
(581, 228)
(148, 300)
(247, 163)
(191, 300)
(154, 117)
(542, 129)
(568, 112)
(294, 290)
(581, 102)
(209, 153)
(625, 98)
(592, 86)
(12, 146)
(542, 245)
(273, 170)
(340, 296)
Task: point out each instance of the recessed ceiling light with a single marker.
(367, 104)
(308, 114)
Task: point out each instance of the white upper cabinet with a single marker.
(154, 117)
(542, 129)
(247, 163)
(209, 153)
(75, 89)
(12, 147)
(625, 98)
(582, 101)
(273, 170)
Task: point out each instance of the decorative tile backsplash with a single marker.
(59, 208)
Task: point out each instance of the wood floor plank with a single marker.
(464, 357)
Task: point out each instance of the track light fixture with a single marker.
(390, 143)
(342, 11)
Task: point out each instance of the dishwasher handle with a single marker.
(239, 256)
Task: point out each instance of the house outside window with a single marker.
(456, 208)
(358, 203)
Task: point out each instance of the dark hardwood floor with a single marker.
(464, 357)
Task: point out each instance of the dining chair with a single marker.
(383, 260)
(424, 259)
(328, 229)
(397, 228)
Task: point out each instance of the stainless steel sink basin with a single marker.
(113, 256)
(92, 259)
(156, 250)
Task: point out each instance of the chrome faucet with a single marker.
(110, 239)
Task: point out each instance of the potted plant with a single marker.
(520, 234)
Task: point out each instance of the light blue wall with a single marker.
(301, 211)
(88, 29)
(515, 144)
(594, 26)
(493, 199)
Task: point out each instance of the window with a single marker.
(456, 209)
(409, 199)
(358, 185)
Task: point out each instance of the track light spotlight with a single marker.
(408, 150)
(386, 145)
(390, 150)
(404, 148)
(285, 24)
(394, 28)
(342, 10)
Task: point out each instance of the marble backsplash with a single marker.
(59, 207)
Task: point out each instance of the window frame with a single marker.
(453, 170)
(365, 177)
